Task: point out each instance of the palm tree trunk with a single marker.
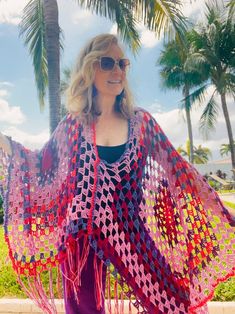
(229, 129)
(189, 124)
(52, 33)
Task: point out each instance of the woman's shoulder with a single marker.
(143, 113)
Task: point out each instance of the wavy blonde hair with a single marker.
(81, 91)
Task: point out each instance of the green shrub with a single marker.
(225, 291)
(214, 185)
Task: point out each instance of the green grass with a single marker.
(226, 191)
(11, 289)
(229, 204)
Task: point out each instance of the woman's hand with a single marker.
(5, 144)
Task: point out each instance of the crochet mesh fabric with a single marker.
(150, 214)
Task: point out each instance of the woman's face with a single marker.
(110, 83)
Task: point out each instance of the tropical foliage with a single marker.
(225, 149)
(66, 75)
(212, 53)
(201, 154)
(175, 75)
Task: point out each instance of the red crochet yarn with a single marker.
(150, 214)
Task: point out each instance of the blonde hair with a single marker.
(81, 91)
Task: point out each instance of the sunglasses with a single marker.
(108, 63)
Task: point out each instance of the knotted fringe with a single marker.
(116, 296)
(58, 283)
(108, 285)
(118, 301)
(98, 267)
(72, 267)
(130, 310)
(36, 292)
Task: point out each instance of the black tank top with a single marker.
(110, 153)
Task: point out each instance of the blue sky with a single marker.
(20, 116)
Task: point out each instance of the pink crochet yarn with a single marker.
(150, 214)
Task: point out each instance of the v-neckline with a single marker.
(126, 149)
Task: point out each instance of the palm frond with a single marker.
(182, 151)
(225, 149)
(231, 7)
(159, 16)
(32, 28)
(195, 62)
(65, 79)
(119, 12)
(197, 95)
(209, 116)
(167, 17)
(127, 27)
(172, 78)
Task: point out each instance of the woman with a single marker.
(109, 189)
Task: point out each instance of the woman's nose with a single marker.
(117, 68)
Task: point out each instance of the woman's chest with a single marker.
(111, 133)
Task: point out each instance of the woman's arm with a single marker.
(5, 144)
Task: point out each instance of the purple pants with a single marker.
(87, 303)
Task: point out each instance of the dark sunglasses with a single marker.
(108, 63)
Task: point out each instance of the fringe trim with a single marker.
(35, 290)
(38, 295)
(108, 285)
(117, 306)
(98, 267)
(58, 283)
(73, 266)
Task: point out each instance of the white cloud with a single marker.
(31, 141)
(82, 16)
(11, 11)
(148, 39)
(3, 93)
(193, 9)
(113, 29)
(5, 83)
(175, 127)
(10, 114)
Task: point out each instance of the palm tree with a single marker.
(213, 53)
(200, 154)
(231, 6)
(64, 84)
(41, 30)
(42, 34)
(225, 149)
(175, 75)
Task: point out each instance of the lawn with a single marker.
(229, 204)
(10, 288)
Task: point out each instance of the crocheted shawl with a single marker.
(150, 215)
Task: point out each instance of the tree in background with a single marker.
(225, 149)
(64, 84)
(201, 154)
(212, 52)
(175, 75)
(41, 30)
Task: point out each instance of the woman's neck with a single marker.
(106, 105)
